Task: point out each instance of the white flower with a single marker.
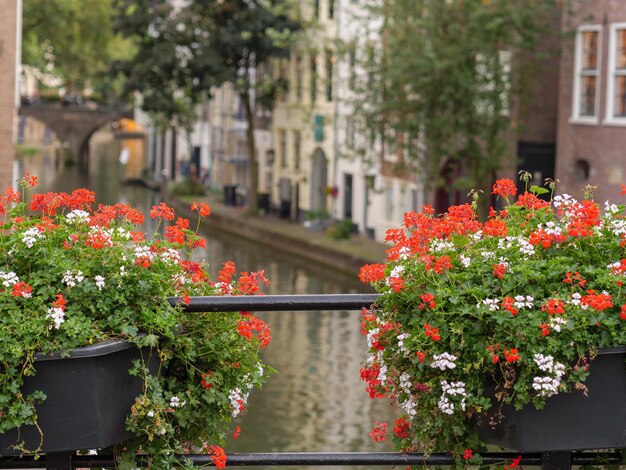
(491, 303)
(465, 261)
(237, 401)
(70, 279)
(409, 406)
(9, 279)
(77, 216)
(397, 271)
(401, 337)
(443, 361)
(445, 405)
(57, 315)
(150, 414)
(521, 301)
(99, 282)
(30, 236)
(556, 323)
(176, 402)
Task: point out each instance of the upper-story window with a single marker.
(616, 84)
(587, 78)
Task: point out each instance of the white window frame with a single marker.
(576, 118)
(610, 118)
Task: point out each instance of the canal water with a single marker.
(316, 401)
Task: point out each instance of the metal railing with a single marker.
(550, 460)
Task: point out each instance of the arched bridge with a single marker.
(74, 125)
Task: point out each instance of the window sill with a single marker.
(584, 121)
(616, 122)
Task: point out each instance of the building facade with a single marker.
(10, 34)
(591, 141)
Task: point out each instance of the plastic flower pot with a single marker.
(569, 421)
(89, 396)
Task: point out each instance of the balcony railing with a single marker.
(558, 460)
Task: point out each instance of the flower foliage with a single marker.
(74, 273)
(526, 298)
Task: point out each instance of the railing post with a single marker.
(558, 460)
(59, 461)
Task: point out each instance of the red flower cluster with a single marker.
(504, 188)
(402, 428)
(553, 307)
(379, 433)
(250, 324)
(218, 456)
(431, 332)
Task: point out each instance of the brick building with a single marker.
(9, 30)
(591, 131)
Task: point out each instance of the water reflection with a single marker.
(316, 401)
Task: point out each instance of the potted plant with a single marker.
(479, 324)
(84, 309)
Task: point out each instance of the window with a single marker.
(282, 137)
(297, 149)
(330, 60)
(586, 80)
(313, 78)
(616, 91)
(298, 78)
(352, 58)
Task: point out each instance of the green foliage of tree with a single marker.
(72, 39)
(182, 53)
(447, 77)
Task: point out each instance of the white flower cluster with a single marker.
(382, 373)
(237, 401)
(465, 260)
(142, 252)
(444, 361)
(57, 315)
(521, 301)
(551, 228)
(564, 200)
(524, 246)
(77, 217)
(9, 279)
(409, 406)
(556, 323)
(437, 245)
(577, 300)
(123, 233)
(401, 346)
(171, 256)
(617, 227)
(30, 236)
(99, 282)
(491, 303)
(451, 389)
(404, 253)
(405, 383)
(371, 335)
(487, 255)
(548, 385)
(70, 279)
(176, 402)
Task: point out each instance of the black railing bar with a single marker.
(277, 303)
(327, 459)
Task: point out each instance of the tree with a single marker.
(207, 43)
(72, 39)
(448, 76)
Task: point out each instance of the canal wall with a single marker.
(340, 255)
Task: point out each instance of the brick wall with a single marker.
(8, 25)
(601, 145)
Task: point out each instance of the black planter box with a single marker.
(569, 421)
(89, 396)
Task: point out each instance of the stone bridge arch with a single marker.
(74, 125)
